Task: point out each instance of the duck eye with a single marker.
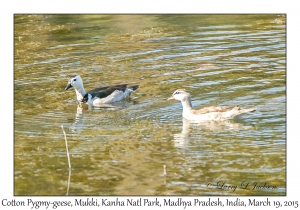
(74, 80)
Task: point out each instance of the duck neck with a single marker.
(80, 92)
(186, 103)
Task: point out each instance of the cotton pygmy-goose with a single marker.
(98, 96)
(207, 113)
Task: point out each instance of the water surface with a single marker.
(121, 149)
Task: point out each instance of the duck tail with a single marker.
(134, 87)
(241, 111)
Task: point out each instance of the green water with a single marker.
(121, 149)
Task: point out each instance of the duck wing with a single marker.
(103, 92)
(215, 109)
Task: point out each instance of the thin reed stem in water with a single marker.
(66, 146)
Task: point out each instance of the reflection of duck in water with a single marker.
(99, 96)
(81, 115)
(182, 139)
(207, 113)
(78, 125)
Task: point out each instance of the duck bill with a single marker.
(68, 86)
(171, 98)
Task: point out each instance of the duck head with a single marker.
(75, 81)
(180, 95)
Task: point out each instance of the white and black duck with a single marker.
(98, 96)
